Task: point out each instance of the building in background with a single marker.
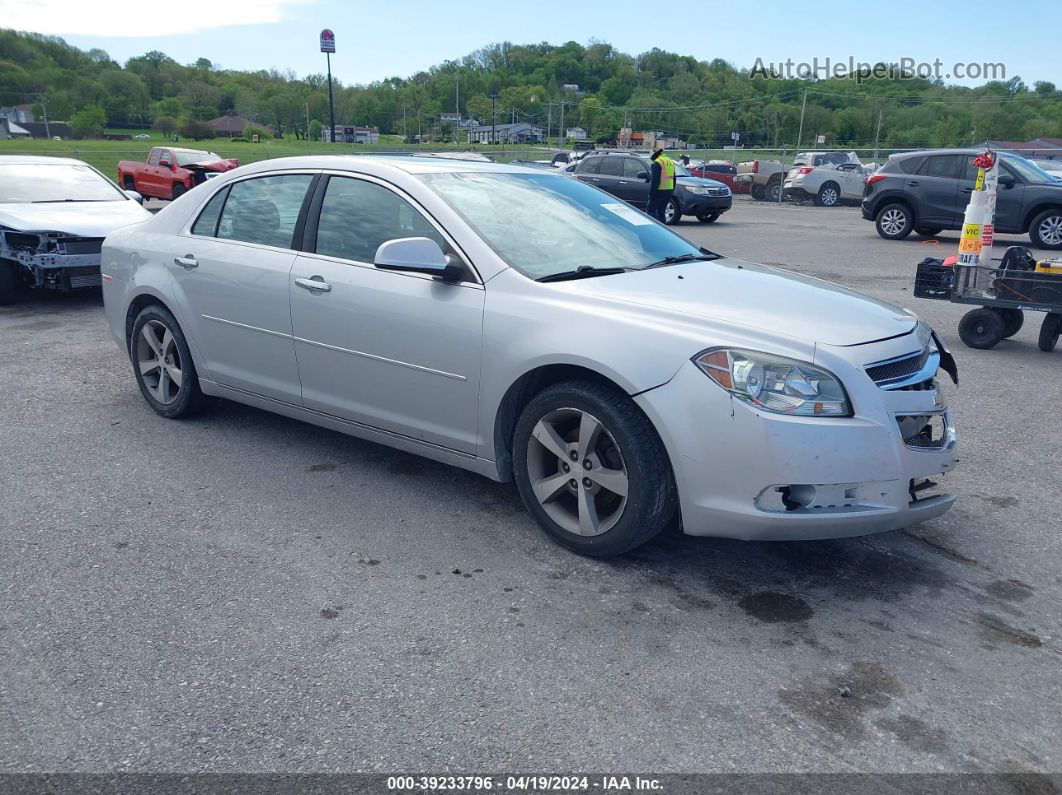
(520, 133)
(576, 134)
(232, 125)
(351, 134)
(1038, 148)
(19, 114)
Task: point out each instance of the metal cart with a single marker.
(1003, 294)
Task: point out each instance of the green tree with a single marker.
(315, 130)
(196, 130)
(165, 124)
(89, 122)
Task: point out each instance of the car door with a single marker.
(610, 175)
(936, 191)
(391, 350)
(1010, 200)
(852, 178)
(149, 177)
(230, 275)
(586, 170)
(634, 186)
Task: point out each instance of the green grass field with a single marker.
(105, 155)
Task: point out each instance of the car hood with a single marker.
(83, 219)
(758, 297)
(704, 182)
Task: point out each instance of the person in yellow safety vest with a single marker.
(661, 184)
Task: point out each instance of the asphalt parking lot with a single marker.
(244, 592)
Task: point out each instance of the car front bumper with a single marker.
(61, 271)
(748, 474)
(694, 204)
(864, 208)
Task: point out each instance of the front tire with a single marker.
(162, 364)
(773, 192)
(591, 469)
(709, 218)
(829, 195)
(1045, 231)
(8, 283)
(895, 221)
(177, 191)
(929, 231)
(982, 328)
(672, 213)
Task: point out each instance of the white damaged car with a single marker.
(54, 214)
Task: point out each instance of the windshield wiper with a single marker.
(60, 201)
(582, 272)
(708, 255)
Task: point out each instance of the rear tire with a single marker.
(624, 452)
(895, 221)
(1045, 231)
(8, 283)
(128, 183)
(773, 192)
(162, 363)
(829, 195)
(178, 191)
(1013, 319)
(982, 328)
(928, 231)
(756, 192)
(1049, 331)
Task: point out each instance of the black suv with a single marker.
(928, 191)
(626, 176)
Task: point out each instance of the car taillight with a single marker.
(875, 178)
(755, 166)
(805, 170)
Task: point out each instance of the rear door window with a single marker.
(264, 210)
(944, 166)
(612, 166)
(632, 167)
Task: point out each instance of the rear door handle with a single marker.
(912, 183)
(188, 261)
(967, 190)
(315, 284)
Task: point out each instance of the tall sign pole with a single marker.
(328, 46)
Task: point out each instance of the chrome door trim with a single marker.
(245, 326)
(384, 359)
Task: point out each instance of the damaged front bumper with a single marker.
(54, 261)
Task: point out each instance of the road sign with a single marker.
(328, 41)
(820, 139)
(734, 136)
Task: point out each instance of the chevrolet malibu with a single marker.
(531, 328)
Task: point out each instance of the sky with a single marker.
(386, 39)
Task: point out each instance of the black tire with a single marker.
(190, 398)
(676, 212)
(1045, 231)
(8, 283)
(982, 328)
(178, 191)
(928, 231)
(1049, 331)
(129, 183)
(773, 191)
(709, 218)
(894, 221)
(1013, 319)
(756, 192)
(829, 195)
(650, 502)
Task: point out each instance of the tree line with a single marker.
(593, 86)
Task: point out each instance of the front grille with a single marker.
(82, 245)
(719, 191)
(87, 280)
(898, 369)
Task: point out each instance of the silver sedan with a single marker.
(529, 327)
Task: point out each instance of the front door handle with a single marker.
(188, 261)
(315, 284)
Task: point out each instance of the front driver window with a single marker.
(264, 210)
(357, 216)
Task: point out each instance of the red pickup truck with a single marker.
(170, 171)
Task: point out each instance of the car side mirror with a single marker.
(416, 255)
(132, 194)
(165, 164)
(643, 176)
(1006, 180)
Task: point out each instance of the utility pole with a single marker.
(560, 132)
(549, 120)
(877, 135)
(493, 119)
(800, 132)
(44, 110)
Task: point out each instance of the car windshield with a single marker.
(1028, 170)
(24, 182)
(681, 171)
(187, 158)
(543, 224)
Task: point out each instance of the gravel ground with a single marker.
(245, 592)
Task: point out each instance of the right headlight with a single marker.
(776, 383)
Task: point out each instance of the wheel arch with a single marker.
(1026, 224)
(137, 305)
(520, 393)
(896, 198)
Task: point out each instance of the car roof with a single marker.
(39, 160)
(900, 155)
(367, 163)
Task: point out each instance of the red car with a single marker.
(170, 171)
(720, 172)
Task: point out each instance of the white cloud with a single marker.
(123, 18)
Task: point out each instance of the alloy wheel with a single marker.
(1050, 230)
(893, 221)
(829, 197)
(159, 360)
(669, 212)
(577, 472)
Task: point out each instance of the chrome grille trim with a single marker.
(903, 372)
